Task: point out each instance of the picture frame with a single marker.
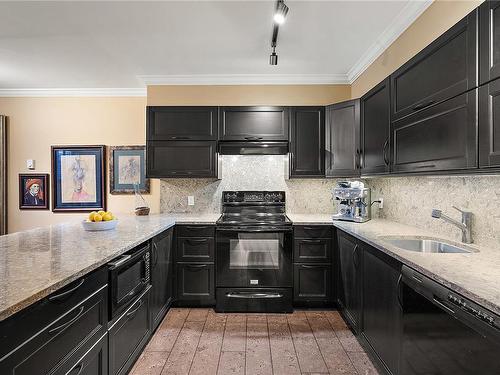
(34, 191)
(78, 178)
(126, 165)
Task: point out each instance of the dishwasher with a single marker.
(444, 333)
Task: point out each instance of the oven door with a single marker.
(254, 257)
(129, 276)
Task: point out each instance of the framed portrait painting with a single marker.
(34, 191)
(78, 178)
(127, 167)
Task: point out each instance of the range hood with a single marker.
(253, 147)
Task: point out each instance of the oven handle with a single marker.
(128, 258)
(248, 230)
(248, 295)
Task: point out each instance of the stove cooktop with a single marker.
(256, 219)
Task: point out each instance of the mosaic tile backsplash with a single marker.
(408, 200)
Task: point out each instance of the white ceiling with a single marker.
(124, 45)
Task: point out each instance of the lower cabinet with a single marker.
(381, 308)
(312, 283)
(129, 334)
(195, 284)
(91, 362)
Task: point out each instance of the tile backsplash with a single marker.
(408, 200)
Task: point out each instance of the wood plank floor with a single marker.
(200, 341)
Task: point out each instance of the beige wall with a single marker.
(436, 19)
(37, 123)
(248, 95)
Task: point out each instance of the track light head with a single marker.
(273, 58)
(280, 12)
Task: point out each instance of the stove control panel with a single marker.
(253, 197)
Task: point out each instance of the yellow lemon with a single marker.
(101, 212)
(91, 215)
(107, 216)
(97, 217)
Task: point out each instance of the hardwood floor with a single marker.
(200, 341)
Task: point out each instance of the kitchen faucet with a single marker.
(465, 225)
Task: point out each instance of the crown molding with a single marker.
(75, 92)
(245, 79)
(408, 15)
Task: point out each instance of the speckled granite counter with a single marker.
(474, 275)
(37, 262)
(304, 219)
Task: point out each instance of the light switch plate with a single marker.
(190, 200)
(30, 164)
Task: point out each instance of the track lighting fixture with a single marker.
(280, 12)
(273, 59)
(279, 17)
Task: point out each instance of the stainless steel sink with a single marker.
(426, 245)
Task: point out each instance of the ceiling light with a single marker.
(281, 12)
(273, 59)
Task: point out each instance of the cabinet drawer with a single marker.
(308, 250)
(91, 360)
(196, 283)
(312, 282)
(38, 316)
(444, 69)
(443, 137)
(312, 231)
(181, 159)
(197, 249)
(128, 335)
(48, 348)
(195, 230)
(182, 123)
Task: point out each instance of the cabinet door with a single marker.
(85, 361)
(442, 137)
(307, 142)
(342, 139)
(312, 250)
(489, 125)
(197, 249)
(489, 43)
(349, 283)
(381, 309)
(444, 69)
(375, 129)
(181, 159)
(254, 123)
(161, 276)
(196, 283)
(182, 123)
(312, 282)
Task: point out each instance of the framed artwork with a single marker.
(78, 178)
(127, 166)
(34, 191)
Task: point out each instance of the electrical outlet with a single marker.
(381, 204)
(190, 200)
(30, 164)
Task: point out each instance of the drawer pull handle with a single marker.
(64, 294)
(309, 267)
(312, 241)
(384, 151)
(196, 227)
(79, 367)
(423, 105)
(426, 166)
(310, 228)
(196, 266)
(132, 313)
(197, 241)
(253, 138)
(68, 323)
(177, 137)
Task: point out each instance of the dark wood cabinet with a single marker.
(489, 125)
(253, 123)
(312, 283)
(444, 69)
(349, 282)
(442, 137)
(381, 308)
(196, 284)
(191, 249)
(489, 41)
(129, 334)
(342, 151)
(376, 130)
(312, 250)
(161, 276)
(182, 123)
(307, 135)
(85, 361)
(181, 159)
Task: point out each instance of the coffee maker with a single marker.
(353, 201)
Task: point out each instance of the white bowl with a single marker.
(92, 226)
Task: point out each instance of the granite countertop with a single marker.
(37, 262)
(301, 219)
(195, 218)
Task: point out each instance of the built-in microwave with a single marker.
(129, 276)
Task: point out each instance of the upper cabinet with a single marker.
(342, 152)
(375, 129)
(489, 29)
(489, 125)
(444, 69)
(182, 123)
(307, 134)
(253, 123)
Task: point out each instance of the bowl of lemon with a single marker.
(100, 220)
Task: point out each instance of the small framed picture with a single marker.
(34, 191)
(78, 178)
(127, 167)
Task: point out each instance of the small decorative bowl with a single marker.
(92, 226)
(142, 211)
